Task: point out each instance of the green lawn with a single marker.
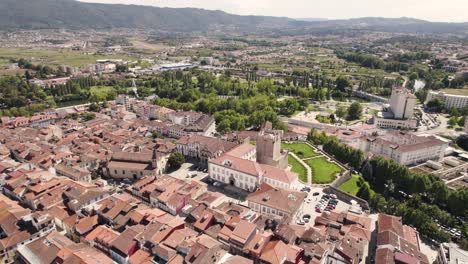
(302, 150)
(323, 171)
(298, 168)
(352, 185)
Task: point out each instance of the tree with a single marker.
(94, 107)
(453, 121)
(364, 192)
(342, 83)
(88, 116)
(435, 105)
(414, 76)
(340, 111)
(462, 142)
(175, 161)
(377, 202)
(354, 111)
(121, 68)
(224, 126)
(439, 191)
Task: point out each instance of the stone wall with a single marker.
(346, 197)
(346, 175)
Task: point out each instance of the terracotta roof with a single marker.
(103, 234)
(80, 253)
(45, 249)
(178, 236)
(277, 251)
(125, 241)
(390, 223)
(285, 200)
(141, 257)
(241, 150)
(384, 256)
(204, 222)
(243, 231)
(86, 224)
(132, 157)
(128, 165)
(253, 168)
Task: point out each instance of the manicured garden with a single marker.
(323, 171)
(302, 150)
(298, 168)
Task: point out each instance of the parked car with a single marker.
(316, 194)
(300, 222)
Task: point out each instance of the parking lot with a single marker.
(313, 199)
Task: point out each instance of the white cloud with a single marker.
(434, 10)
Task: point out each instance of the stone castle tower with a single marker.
(269, 147)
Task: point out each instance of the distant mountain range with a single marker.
(46, 14)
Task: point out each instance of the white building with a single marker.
(406, 149)
(402, 103)
(449, 100)
(239, 168)
(384, 122)
(399, 115)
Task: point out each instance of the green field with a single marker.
(302, 150)
(55, 56)
(323, 171)
(352, 185)
(298, 168)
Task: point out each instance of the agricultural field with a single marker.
(323, 171)
(55, 57)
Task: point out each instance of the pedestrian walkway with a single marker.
(308, 169)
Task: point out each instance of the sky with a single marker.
(432, 10)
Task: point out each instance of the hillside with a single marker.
(45, 14)
(39, 14)
(402, 25)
